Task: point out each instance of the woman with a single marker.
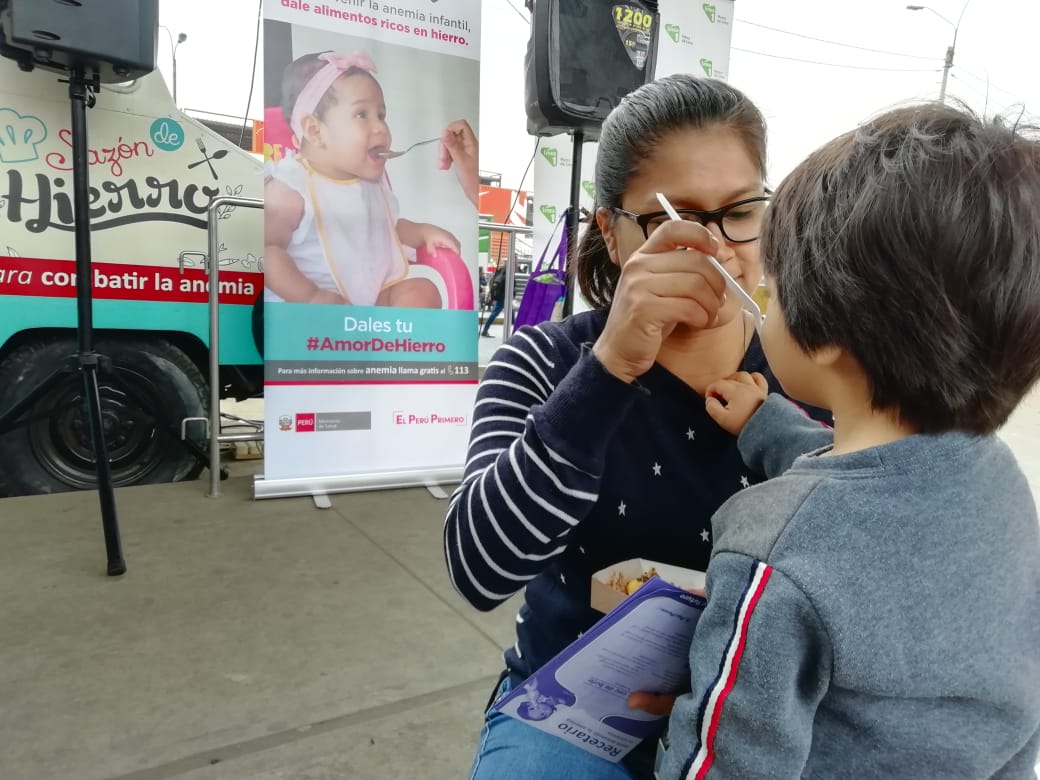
(591, 443)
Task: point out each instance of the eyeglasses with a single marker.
(740, 222)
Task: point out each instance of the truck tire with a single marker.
(151, 387)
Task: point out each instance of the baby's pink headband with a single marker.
(315, 89)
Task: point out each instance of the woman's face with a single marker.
(705, 169)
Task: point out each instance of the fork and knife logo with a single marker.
(207, 158)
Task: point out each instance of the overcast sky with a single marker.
(805, 103)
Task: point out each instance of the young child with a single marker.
(875, 611)
(331, 223)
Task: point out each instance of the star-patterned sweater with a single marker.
(571, 470)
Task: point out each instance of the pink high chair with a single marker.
(455, 283)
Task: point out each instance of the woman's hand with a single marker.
(732, 401)
(654, 703)
(459, 148)
(661, 286)
(657, 703)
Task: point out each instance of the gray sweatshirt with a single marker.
(870, 615)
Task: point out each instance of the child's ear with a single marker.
(605, 221)
(826, 357)
(312, 130)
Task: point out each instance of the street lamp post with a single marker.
(181, 38)
(948, 63)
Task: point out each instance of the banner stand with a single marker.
(437, 491)
(371, 358)
(354, 483)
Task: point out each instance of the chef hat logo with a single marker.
(19, 136)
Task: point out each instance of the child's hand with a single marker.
(327, 296)
(434, 237)
(731, 402)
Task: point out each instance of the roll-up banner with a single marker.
(370, 323)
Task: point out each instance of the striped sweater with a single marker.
(571, 470)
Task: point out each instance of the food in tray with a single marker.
(629, 586)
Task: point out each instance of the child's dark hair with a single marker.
(298, 73)
(913, 243)
(628, 138)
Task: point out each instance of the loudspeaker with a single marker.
(114, 39)
(583, 56)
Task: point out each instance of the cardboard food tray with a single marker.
(604, 598)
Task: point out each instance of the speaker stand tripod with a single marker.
(86, 361)
(573, 220)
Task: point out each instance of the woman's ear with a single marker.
(605, 222)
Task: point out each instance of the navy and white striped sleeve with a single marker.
(536, 457)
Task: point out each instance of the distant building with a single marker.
(504, 207)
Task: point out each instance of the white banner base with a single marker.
(353, 483)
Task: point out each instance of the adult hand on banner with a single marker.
(459, 148)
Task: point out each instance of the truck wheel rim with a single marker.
(61, 440)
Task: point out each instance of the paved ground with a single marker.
(262, 640)
(248, 640)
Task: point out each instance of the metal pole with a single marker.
(213, 266)
(81, 96)
(78, 94)
(948, 63)
(175, 75)
(572, 221)
(507, 301)
(946, 70)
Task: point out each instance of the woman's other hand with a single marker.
(731, 402)
(662, 284)
(658, 703)
(654, 703)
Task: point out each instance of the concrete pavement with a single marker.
(248, 640)
(264, 640)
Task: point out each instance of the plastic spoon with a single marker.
(745, 299)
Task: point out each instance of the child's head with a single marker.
(335, 108)
(912, 245)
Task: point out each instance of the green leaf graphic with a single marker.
(549, 154)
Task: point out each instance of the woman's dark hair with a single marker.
(913, 243)
(298, 73)
(627, 139)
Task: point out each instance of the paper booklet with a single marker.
(581, 695)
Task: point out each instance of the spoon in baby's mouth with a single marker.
(388, 154)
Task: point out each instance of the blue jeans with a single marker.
(509, 749)
(496, 309)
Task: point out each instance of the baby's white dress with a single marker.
(347, 239)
